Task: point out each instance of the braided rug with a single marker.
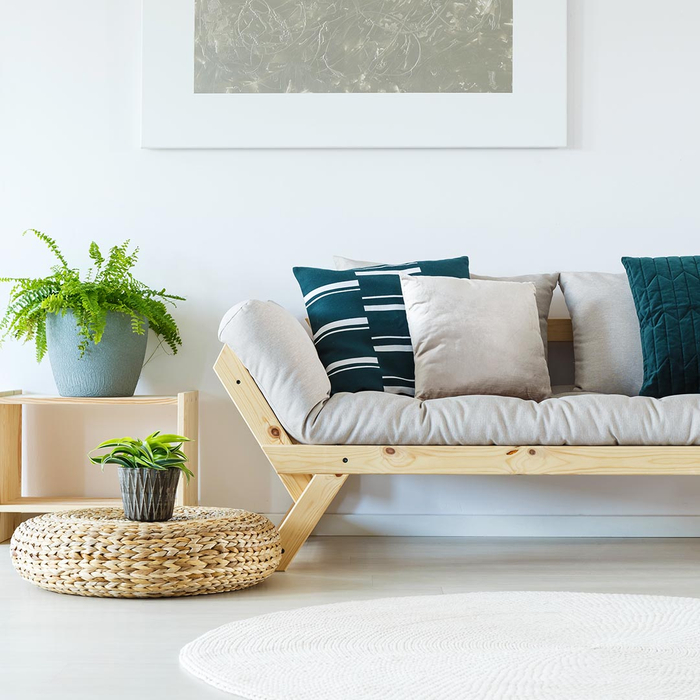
(472, 646)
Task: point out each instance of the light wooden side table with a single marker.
(13, 504)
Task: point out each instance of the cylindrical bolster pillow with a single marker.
(281, 357)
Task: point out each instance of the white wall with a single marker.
(220, 226)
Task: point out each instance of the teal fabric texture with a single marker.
(666, 293)
(359, 325)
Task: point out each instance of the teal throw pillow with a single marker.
(359, 322)
(666, 292)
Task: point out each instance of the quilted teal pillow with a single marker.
(666, 292)
(359, 322)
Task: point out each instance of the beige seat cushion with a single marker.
(279, 354)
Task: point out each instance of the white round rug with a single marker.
(499, 646)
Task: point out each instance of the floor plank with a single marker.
(66, 647)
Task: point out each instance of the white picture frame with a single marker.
(534, 115)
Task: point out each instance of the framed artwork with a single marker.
(354, 73)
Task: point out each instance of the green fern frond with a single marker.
(40, 335)
(137, 325)
(50, 244)
(96, 255)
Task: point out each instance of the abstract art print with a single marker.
(353, 46)
(354, 74)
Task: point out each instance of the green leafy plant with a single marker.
(157, 451)
(108, 286)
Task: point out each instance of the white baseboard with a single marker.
(506, 525)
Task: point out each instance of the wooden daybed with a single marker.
(313, 474)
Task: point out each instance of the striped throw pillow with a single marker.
(359, 322)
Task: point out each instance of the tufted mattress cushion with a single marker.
(282, 359)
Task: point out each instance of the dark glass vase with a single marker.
(148, 495)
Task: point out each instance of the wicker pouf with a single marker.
(96, 552)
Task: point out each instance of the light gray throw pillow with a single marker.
(545, 285)
(607, 345)
(475, 337)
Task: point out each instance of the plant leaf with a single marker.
(169, 438)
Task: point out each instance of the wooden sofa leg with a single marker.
(306, 512)
(295, 484)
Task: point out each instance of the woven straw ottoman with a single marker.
(96, 552)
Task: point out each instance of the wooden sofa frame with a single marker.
(313, 474)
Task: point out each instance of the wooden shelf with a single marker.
(13, 504)
(28, 504)
(15, 398)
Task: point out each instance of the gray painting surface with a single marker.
(256, 46)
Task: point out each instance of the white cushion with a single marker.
(374, 418)
(607, 345)
(281, 357)
(475, 337)
(277, 351)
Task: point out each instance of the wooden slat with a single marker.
(18, 398)
(370, 459)
(188, 426)
(306, 512)
(249, 400)
(559, 330)
(28, 504)
(295, 484)
(9, 522)
(10, 464)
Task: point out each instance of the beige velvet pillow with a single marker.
(475, 337)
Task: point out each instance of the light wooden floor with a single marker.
(65, 647)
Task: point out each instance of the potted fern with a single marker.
(94, 327)
(149, 471)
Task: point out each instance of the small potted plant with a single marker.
(94, 327)
(149, 471)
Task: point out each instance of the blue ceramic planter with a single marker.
(110, 368)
